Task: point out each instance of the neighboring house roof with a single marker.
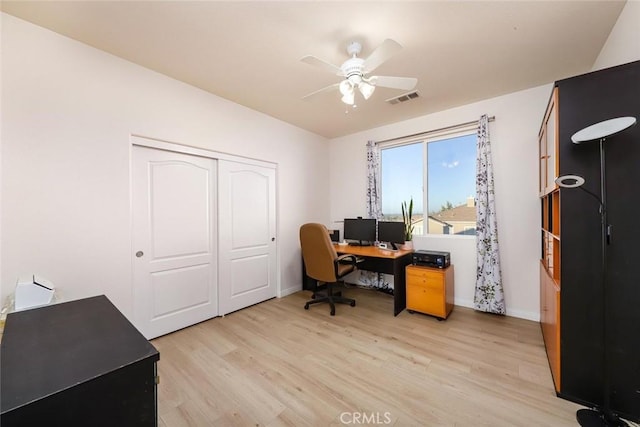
(432, 218)
(460, 213)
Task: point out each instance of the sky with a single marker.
(451, 166)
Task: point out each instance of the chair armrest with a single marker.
(347, 259)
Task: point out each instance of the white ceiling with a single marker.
(249, 52)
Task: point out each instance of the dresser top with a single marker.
(52, 348)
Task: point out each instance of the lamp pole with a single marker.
(603, 416)
(588, 417)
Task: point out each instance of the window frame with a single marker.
(425, 139)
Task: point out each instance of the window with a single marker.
(446, 167)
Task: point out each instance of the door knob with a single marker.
(139, 254)
(273, 239)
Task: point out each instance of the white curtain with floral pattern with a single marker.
(489, 295)
(374, 204)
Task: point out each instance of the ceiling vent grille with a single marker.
(403, 98)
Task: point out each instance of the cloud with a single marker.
(450, 165)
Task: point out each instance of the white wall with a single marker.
(623, 43)
(68, 111)
(1, 133)
(514, 144)
(514, 151)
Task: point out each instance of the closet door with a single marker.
(174, 240)
(247, 224)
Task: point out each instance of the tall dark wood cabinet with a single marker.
(550, 237)
(571, 261)
(79, 363)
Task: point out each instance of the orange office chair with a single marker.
(323, 264)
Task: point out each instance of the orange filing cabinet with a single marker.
(430, 290)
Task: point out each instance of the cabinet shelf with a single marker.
(550, 237)
(548, 147)
(551, 255)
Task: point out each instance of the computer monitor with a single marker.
(391, 232)
(360, 231)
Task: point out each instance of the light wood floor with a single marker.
(275, 364)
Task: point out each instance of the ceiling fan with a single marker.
(355, 71)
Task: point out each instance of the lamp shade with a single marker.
(366, 89)
(348, 98)
(346, 89)
(569, 181)
(603, 129)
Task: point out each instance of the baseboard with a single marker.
(462, 302)
(288, 291)
(520, 314)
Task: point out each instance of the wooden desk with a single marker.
(379, 261)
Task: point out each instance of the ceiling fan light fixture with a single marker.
(366, 89)
(355, 79)
(355, 72)
(348, 94)
(349, 98)
(345, 87)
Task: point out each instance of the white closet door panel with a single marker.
(247, 223)
(249, 274)
(174, 240)
(180, 195)
(250, 228)
(168, 289)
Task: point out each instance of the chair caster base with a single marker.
(330, 297)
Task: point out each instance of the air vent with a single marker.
(403, 98)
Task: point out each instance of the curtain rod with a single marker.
(491, 119)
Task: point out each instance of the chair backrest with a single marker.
(318, 252)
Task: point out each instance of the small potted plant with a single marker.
(407, 218)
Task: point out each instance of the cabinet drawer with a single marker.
(424, 277)
(426, 300)
(416, 271)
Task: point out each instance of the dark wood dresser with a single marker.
(77, 363)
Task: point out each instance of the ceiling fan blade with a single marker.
(404, 83)
(319, 63)
(324, 89)
(386, 50)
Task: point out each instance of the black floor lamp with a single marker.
(602, 416)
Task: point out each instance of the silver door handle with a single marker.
(139, 254)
